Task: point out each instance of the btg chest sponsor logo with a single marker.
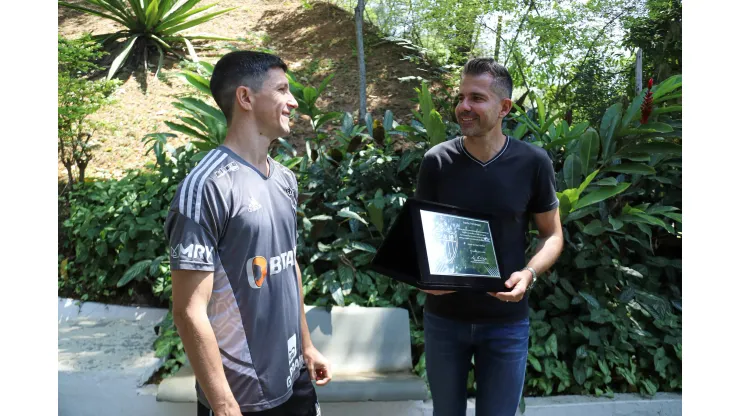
(194, 253)
(257, 267)
(294, 362)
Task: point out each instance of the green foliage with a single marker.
(78, 98)
(608, 318)
(113, 225)
(158, 23)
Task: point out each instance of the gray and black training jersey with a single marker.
(227, 217)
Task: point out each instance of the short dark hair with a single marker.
(240, 68)
(502, 84)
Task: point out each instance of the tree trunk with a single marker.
(638, 72)
(359, 12)
(498, 38)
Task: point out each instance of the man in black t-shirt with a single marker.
(486, 171)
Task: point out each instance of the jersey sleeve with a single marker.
(544, 196)
(194, 225)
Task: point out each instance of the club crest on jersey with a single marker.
(258, 268)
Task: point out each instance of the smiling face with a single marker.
(272, 105)
(480, 110)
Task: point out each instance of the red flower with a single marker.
(647, 104)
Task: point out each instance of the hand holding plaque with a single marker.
(440, 247)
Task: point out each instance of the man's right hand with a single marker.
(438, 292)
(229, 409)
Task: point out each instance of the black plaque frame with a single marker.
(403, 253)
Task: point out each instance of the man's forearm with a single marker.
(202, 350)
(305, 333)
(547, 252)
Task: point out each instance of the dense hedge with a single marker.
(606, 319)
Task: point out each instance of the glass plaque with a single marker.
(459, 246)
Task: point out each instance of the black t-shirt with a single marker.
(517, 182)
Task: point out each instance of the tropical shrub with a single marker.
(157, 23)
(78, 98)
(608, 318)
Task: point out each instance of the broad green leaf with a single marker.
(651, 219)
(151, 13)
(199, 106)
(647, 128)
(549, 123)
(609, 124)
(436, 128)
(121, 58)
(658, 209)
(606, 182)
(572, 195)
(94, 12)
(631, 168)
(668, 109)
(601, 194)
(160, 61)
(197, 81)
(325, 83)
(552, 344)
(376, 215)
(195, 22)
(672, 215)
(186, 130)
(616, 224)
(667, 97)
(388, 121)
(519, 131)
(589, 149)
(346, 213)
(321, 218)
(579, 373)
(425, 101)
(572, 171)
(336, 292)
(406, 159)
(667, 86)
(652, 148)
(347, 123)
(636, 157)
(577, 130)
(535, 363)
(633, 110)
(590, 299)
(346, 278)
(594, 228)
(363, 246)
(325, 118)
(137, 270)
(540, 112)
(582, 187)
(309, 96)
(565, 204)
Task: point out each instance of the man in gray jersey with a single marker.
(236, 285)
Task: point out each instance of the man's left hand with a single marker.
(519, 281)
(318, 366)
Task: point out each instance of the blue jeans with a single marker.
(500, 352)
